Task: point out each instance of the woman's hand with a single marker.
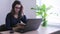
(19, 25)
(15, 28)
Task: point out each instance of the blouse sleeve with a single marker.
(24, 19)
(8, 21)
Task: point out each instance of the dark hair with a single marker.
(13, 6)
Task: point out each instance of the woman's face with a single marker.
(17, 8)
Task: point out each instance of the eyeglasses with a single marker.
(17, 7)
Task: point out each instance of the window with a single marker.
(54, 18)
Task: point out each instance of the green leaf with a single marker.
(45, 15)
(43, 7)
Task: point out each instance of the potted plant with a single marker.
(42, 11)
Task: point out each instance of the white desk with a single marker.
(41, 30)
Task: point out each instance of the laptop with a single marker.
(33, 24)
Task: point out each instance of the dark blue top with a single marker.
(11, 21)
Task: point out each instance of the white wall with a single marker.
(5, 7)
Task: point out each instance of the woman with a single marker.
(16, 20)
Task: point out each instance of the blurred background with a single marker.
(53, 18)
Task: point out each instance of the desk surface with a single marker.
(47, 30)
(41, 30)
(7, 32)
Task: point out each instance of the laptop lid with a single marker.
(33, 24)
